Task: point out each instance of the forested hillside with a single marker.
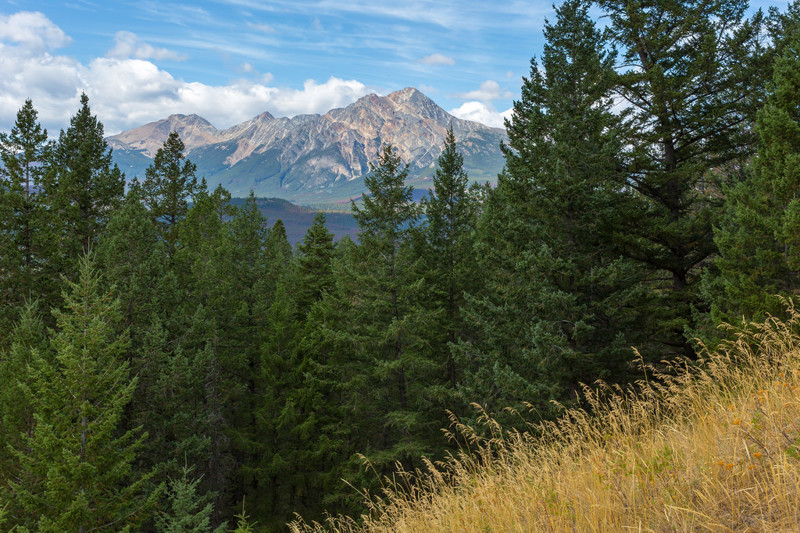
(169, 362)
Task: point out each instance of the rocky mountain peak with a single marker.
(311, 155)
(194, 131)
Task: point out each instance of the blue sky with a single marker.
(229, 60)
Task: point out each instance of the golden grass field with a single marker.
(713, 446)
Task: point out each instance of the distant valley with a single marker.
(297, 219)
(317, 160)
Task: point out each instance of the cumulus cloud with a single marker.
(32, 32)
(488, 91)
(437, 59)
(128, 45)
(483, 113)
(126, 91)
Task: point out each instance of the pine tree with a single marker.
(295, 461)
(759, 249)
(392, 370)
(131, 254)
(692, 76)
(247, 333)
(314, 265)
(204, 269)
(168, 186)
(23, 228)
(553, 312)
(79, 462)
(83, 186)
(451, 210)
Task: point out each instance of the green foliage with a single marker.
(188, 511)
(24, 231)
(82, 187)
(168, 186)
(230, 366)
(16, 380)
(757, 237)
(691, 72)
(314, 265)
(551, 314)
(78, 464)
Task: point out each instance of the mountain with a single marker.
(317, 159)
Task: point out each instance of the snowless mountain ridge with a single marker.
(315, 155)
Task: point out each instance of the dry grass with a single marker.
(712, 447)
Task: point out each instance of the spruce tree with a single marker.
(83, 186)
(451, 210)
(314, 262)
(552, 313)
(297, 455)
(759, 249)
(169, 185)
(24, 230)
(81, 463)
(204, 269)
(188, 511)
(390, 374)
(16, 379)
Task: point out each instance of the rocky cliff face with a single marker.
(316, 157)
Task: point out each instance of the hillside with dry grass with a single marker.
(712, 446)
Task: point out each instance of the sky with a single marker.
(230, 60)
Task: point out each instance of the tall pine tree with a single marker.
(553, 311)
(24, 231)
(83, 186)
(168, 186)
(692, 76)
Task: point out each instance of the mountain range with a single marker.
(317, 159)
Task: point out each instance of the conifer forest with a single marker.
(169, 362)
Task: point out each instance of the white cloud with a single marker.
(264, 28)
(126, 92)
(483, 113)
(33, 32)
(128, 45)
(488, 91)
(437, 59)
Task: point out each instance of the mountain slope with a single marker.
(316, 158)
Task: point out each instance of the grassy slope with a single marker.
(714, 449)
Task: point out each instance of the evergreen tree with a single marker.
(693, 78)
(168, 186)
(314, 262)
(759, 249)
(553, 310)
(295, 463)
(379, 348)
(23, 228)
(79, 462)
(188, 511)
(131, 254)
(204, 267)
(16, 380)
(451, 210)
(83, 186)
